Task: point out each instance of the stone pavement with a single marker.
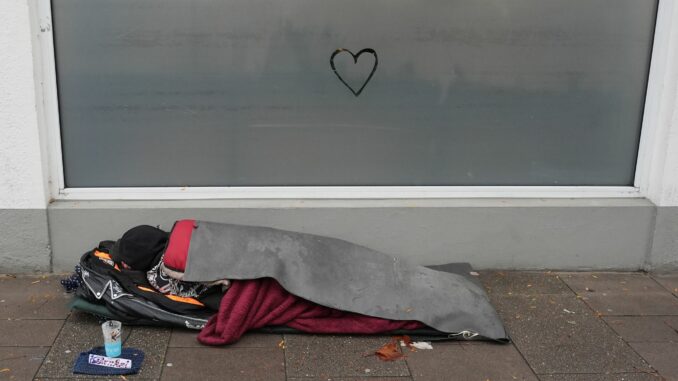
(565, 326)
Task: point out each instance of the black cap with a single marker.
(139, 247)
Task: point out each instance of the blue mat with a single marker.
(82, 365)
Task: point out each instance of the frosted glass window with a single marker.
(260, 92)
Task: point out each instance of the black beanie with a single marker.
(139, 247)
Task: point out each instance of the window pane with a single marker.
(242, 92)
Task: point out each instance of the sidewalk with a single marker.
(565, 326)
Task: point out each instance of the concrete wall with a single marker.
(24, 244)
(664, 254)
(513, 234)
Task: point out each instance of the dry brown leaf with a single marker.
(281, 344)
(389, 351)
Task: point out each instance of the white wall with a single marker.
(661, 172)
(24, 238)
(22, 184)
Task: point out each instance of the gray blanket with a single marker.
(345, 276)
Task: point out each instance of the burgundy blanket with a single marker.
(251, 304)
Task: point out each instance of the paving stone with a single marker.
(224, 364)
(33, 297)
(669, 281)
(620, 294)
(644, 304)
(21, 363)
(93, 378)
(644, 328)
(559, 334)
(523, 283)
(80, 333)
(602, 377)
(672, 321)
(338, 356)
(610, 282)
(351, 379)
(469, 362)
(661, 356)
(29, 333)
(153, 341)
(187, 339)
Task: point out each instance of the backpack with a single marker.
(129, 297)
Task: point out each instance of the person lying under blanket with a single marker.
(253, 277)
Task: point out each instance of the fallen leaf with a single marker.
(4, 370)
(37, 281)
(389, 351)
(281, 344)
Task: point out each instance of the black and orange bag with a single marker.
(128, 295)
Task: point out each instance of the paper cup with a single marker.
(112, 337)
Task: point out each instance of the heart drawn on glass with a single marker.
(355, 61)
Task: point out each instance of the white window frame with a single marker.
(45, 58)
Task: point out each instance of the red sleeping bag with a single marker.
(251, 304)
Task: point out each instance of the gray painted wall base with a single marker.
(489, 233)
(24, 241)
(664, 254)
